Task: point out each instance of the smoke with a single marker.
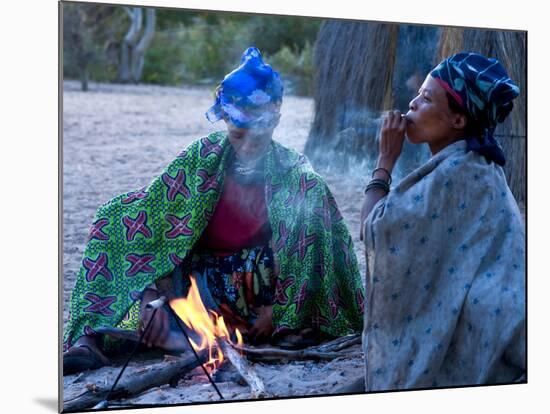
(416, 55)
(353, 152)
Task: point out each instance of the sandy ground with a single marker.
(117, 138)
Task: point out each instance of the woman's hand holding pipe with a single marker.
(392, 137)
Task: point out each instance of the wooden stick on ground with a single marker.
(301, 354)
(257, 386)
(339, 343)
(327, 351)
(133, 383)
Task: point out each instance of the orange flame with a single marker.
(193, 313)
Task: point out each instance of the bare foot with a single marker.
(83, 355)
(90, 345)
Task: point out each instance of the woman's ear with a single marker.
(458, 121)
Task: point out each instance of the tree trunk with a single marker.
(510, 49)
(129, 43)
(84, 80)
(139, 51)
(354, 63)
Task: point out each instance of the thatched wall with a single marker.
(510, 49)
(451, 41)
(353, 83)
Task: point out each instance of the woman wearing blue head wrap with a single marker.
(250, 219)
(446, 245)
(250, 96)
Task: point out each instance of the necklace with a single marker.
(241, 169)
(248, 174)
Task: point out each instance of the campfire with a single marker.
(206, 323)
(211, 342)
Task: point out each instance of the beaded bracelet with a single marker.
(382, 169)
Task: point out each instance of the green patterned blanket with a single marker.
(141, 236)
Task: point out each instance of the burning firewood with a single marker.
(257, 387)
(215, 337)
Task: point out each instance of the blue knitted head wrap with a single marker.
(250, 96)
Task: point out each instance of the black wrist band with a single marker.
(382, 169)
(378, 183)
(370, 187)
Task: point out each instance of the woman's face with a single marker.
(249, 144)
(430, 120)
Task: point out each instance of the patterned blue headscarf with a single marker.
(481, 86)
(250, 96)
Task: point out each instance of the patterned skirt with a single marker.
(233, 286)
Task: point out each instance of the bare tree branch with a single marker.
(139, 50)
